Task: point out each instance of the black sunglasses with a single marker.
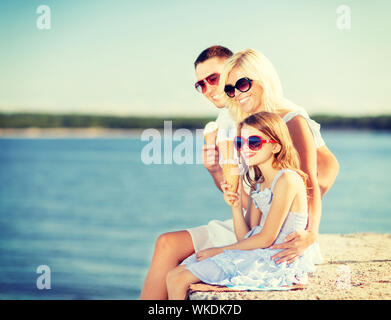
(243, 85)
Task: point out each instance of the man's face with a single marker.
(205, 69)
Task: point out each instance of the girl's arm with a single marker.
(253, 214)
(284, 193)
(242, 224)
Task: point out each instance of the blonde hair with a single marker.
(275, 128)
(256, 67)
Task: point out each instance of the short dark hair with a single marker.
(212, 52)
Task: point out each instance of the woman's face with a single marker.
(250, 101)
(257, 157)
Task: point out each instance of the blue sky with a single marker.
(136, 58)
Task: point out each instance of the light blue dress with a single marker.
(254, 269)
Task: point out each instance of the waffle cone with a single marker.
(231, 175)
(226, 148)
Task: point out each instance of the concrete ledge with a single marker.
(356, 266)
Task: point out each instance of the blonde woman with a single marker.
(278, 193)
(251, 85)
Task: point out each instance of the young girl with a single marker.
(278, 193)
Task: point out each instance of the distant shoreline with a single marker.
(95, 132)
(95, 123)
(85, 133)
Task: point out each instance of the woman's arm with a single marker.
(328, 168)
(304, 143)
(296, 242)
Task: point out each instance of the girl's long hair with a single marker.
(275, 128)
(259, 68)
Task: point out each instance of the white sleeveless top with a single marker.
(263, 199)
(314, 126)
(227, 125)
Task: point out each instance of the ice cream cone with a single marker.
(210, 133)
(231, 175)
(230, 167)
(226, 149)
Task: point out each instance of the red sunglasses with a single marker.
(212, 79)
(254, 142)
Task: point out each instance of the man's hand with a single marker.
(294, 245)
(210, 158)
(207, 253)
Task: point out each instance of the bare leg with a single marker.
(170, 250)
(172, 273)
(178, 282)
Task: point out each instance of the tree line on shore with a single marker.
(46, 120)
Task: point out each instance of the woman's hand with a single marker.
(233, 199)
(207, 253)
(294, 245)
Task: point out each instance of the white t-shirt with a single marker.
(227, 126)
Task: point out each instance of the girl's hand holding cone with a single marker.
(233, 199)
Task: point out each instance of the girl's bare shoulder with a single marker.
(291, 179)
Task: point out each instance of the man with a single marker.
(173, 247)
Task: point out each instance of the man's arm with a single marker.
(210, 159)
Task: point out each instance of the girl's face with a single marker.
(260, 156)
(250, 101)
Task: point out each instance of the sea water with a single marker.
(91, 210)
